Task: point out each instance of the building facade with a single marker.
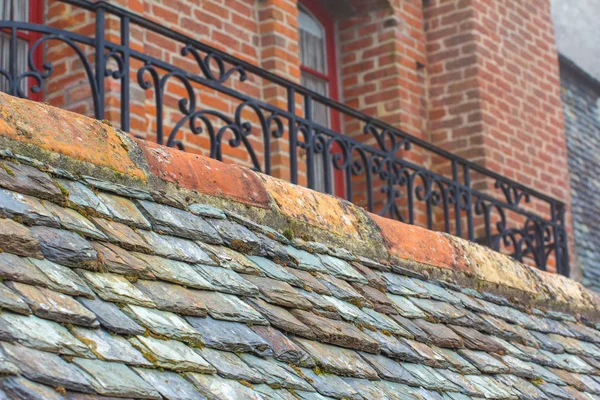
(421, 82)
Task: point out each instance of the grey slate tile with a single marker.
(227, 307)
(237, 236)
(547, 342)
(231, 259)
(429, 378)
(527, 391)
(281, 318)
(41, 334)
(230, 366)
(275, 271)
(229, 336)
(109, 347)
(71, 220)
(368, 389)
(48, 304)
(177, 222)
(227, 281)
(169, 384)
(217, 388)
(120, 261)
(405, 307)
(112, 318)
(23, 389)
(341, 269)
(278, 292)
(26, 208)
(571, 363)
(484, 362)
(10, 301)
(430, 356)
(175, 272)
(414, 331)
(176, 248)
(171, 354)
(273, 393)
(123, 235)
(393, 348)
(19, 239)
(555, 392)
(284, 349)
(62, 279)
(337, 360)
(28, 180)
(491, 388)
(80, 195)
(122, 190)
(173, 298)
(457, 362)
(306, 261)
(518, 367)
(377, 298)
(404, 286)
(440, 334)
(443, 312)
(46, 368)
(115, 379)
(464, 385)
(342, 290)
(276, 374)
(123, 210)
(331, 385)
(115, 288)
(311, 283)
(65, 247)
(389, 369)
(205, 210)
(15, 268)
(164, 323)
(475, 340)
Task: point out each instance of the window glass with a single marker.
(15, 10)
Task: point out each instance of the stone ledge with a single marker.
(82, 146)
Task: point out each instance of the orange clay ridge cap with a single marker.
(62, 142)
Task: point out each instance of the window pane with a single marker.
(21, 57)
(312, 42)
(16, 10)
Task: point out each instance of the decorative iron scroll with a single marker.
(374, 163)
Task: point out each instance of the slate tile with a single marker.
(281, 318)
(164, 323)
(46, 368)
(337, 332)
(205, 210)
(231, 259)
(443, 312)
(518, 367)
(109, 347)
(65, 247)
(545, 374)
(119, 261)
(275, 271)
(441, 335)
(547, 342)
(26, 209)
(227, 281)
(342, 290)
(28, 180)
(227, 307)
(389, 369)
(321, 305)
(175, 272)
(10, 301)
(73, 221)
(273, 393)
(115, 288)
(229, 336)
(82, 196)
(576, 394)
(123, 210)
(526, 390)
(491, 388)
(414, 331)
(474, 321)
(230, 366)
(169, 384)
(559, 328)
(18, 269)
(123, 235)
(404, 286)
(378, 299)
(510, 331)
(123, 190)
(384, 322)
(176, 222)
(311, 283)
(337, 360)
(176, 248)
(458, 363)
(215, 387)
(115, 379)
(569, 378)
(368, 389)
(484, 362)
(62, 279)
(18, 239)
(284, 349)
(393, 348)
(555, 392)
(341, 269)
(475, 340)
(575, 346)
(279, 293)
(429, 378)
(21, 388)
(331, 385)
(465, 386)
(437, 292)
(374, 279)
(405, 307)
(590, 383)
(582, 332)
(173, 298)
(306, 261)
(430, 356)
(276, 374)
(112, 318)
(534, 355)
(397, 391)
(171, 354)
(310, 246)
(48, 304)
(571, 363)
(237, 236)
(594, 362)
(310, 395)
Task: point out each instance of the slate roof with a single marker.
(105, 292)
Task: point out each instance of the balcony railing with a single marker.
(373, 160)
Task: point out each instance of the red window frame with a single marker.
(319, 12)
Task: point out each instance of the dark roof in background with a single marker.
(577, 33)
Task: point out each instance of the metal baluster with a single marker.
(125, 106)
(293, 135)
(100, 63)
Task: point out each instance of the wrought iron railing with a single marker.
(500, 213)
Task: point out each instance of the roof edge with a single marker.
(67, 143)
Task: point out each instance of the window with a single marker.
(24, 11)
(319, 74)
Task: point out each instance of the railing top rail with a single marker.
(172, 34)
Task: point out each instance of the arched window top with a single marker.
(309, 23)
(313, 41)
